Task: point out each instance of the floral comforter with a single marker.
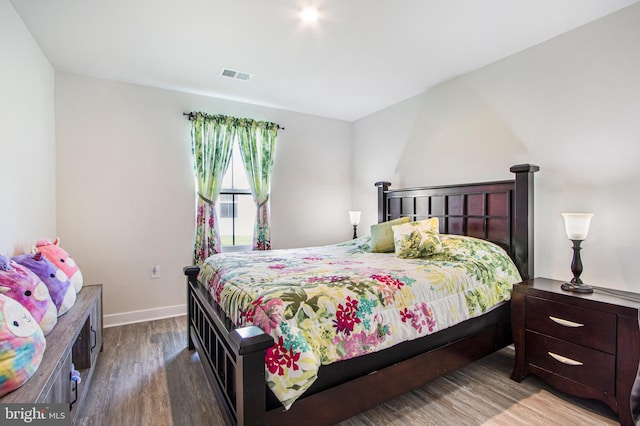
(330, 303)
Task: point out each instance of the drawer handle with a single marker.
(95, 338)
(74, 389)
(564, 359)
(565, 322)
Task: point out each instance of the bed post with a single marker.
(250, 344)
(192, 273)
(382, 202)
(523, 222)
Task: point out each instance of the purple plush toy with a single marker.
(60, 288)
(23, 286)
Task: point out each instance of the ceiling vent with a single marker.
(238, 75)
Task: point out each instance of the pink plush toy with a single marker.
(60, 288)
(61, 259)
(23, 286)
(22, 345)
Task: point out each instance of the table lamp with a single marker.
(577, 227)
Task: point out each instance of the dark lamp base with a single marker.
(577, 288)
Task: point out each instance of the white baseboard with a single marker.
(133, 317)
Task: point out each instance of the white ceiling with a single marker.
(360, 57)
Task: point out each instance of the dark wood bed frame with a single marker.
(233, 358)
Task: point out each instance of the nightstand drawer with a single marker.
(578, 363)
(587, 327)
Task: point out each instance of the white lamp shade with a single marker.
(577, 225)
(355, 217)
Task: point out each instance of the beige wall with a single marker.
(27, 138)
(126, 189)
(570, 105)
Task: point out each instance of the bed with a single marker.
(233, 357)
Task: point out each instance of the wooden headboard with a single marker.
(500, 211)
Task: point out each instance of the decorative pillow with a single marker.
(417, 239)
(62, 292)
(23, 286)
(22, 345)
(382, 235)
(61, 259)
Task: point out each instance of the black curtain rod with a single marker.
(191, 115)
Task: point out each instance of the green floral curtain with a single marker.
(257, 140)
(212, 139)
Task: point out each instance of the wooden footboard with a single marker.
(232, 358)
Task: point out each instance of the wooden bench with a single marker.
(77, 339)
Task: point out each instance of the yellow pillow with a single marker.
(417, 239)
(382, 235)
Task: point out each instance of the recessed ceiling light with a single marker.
(309, 14)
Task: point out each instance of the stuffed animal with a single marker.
(4, 263)
(23, 286)
(22, 345)
(61, 259)
(62, 292)
(75, 375)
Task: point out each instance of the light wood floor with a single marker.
(146, 376)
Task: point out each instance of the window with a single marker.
(228, 206)
(235, 206)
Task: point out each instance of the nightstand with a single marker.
(587, 345)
